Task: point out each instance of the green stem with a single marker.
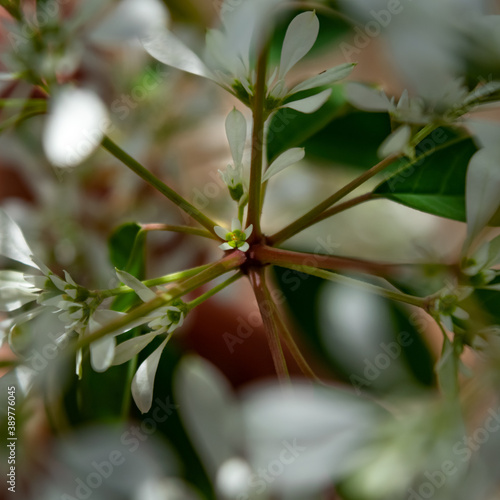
(278, 256)
(151, 179)
(163, 280)
(269, 315)
(344, 280)
(259, 118)
(422, 134)
(305, 220)
(341, 207)
(179, 229)
(232, 261)
(214, 290)
(241, 213)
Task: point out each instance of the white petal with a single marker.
(235, 224)
(367, 98)
(12, 242)
(328, 77)
(283, 161)
(321, 428)
(12, 298)
(244, 247)
(309, 104)
(139, 288)
(69, 279)
(222, 57)
(130, 19)
(75, 126)
(168, 49)
(299, 39)
(144, 379)
(236, 131)
(103, 317)
(38, 282)
(208, 411)
(15, 278)
(397, 142)
(127, 350)
(221, 232)
(226, 246)
(101, 353)
(58, 282)
(248, 231)
(482, 188)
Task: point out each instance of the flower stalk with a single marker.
(160, 186)
(270, 320)
(310, 217)
(259, 118)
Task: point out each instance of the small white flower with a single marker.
(236, 238)
(229, 52)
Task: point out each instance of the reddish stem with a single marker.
(269, 255)
(269, 319)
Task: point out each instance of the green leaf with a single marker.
(434, 182)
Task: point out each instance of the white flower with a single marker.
(236, 238)
(312, 435)
(164, 319)
(77, 307)
(229, 53)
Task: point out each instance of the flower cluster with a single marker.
(230, 50)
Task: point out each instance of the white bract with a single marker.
(236, 238)
(236, 132)
(77, 308)
(229, 53)
(163, 320)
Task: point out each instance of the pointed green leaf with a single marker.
(435, 181)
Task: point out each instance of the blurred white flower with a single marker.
(77, 308)
(276, 442)
(164, 319)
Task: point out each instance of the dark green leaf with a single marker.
(434, 182)
(351, 139)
